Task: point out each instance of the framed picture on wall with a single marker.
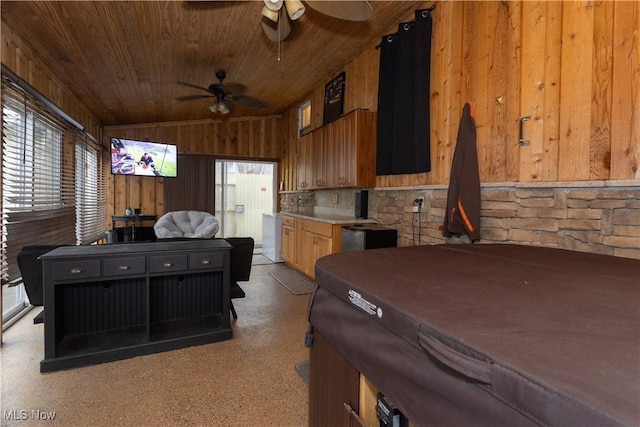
(334, 98)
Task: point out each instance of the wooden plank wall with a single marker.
(564, 64)
(24, 62)
(251, 138)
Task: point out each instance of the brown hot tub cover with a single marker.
(488, 334)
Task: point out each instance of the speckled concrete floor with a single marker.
(249, 380)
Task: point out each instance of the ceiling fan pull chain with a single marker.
(280, 48)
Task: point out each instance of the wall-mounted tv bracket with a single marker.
(522, 141)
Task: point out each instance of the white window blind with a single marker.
(38, 177)
(90, 192)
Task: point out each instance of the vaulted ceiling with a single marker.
(124, 60)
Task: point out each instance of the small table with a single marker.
(133, 219)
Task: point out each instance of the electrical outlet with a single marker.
(420, 201)
(415, 208)
(334, 199)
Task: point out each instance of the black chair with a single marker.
(31, 270)
(241, 255)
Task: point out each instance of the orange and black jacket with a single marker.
(463, 199)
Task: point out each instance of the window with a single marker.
(45, 159)
(34, 190)
(37, 191)
(304, 118)
(90, 192)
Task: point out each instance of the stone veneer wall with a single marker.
(598, 217)
(296, 201)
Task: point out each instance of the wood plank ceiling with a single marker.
(124, 60)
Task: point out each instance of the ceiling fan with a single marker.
(225, 94)
(276, 24)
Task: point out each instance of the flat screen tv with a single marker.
(143, 158)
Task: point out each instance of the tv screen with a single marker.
(143, 158)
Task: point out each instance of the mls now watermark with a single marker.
(24, 414)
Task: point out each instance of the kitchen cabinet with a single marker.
(305, 240)
(322, 168)
(304, 167)
(288, 241)
(316, 241)
(339, 154)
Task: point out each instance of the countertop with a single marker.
(331, 219)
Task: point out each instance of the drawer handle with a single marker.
(125, 267)
(168, 264)
(77, 270)
(206, 261)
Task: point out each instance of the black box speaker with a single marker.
(362, 204)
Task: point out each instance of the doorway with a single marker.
(244, 191)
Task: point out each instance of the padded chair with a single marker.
(31, 270)
(191, 224)
(241, 255)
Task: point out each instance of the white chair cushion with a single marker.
(194, 224)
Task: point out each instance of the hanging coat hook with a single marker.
(522, 141)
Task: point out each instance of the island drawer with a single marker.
(123, 266)
(206, 260)
(76, 269)
(169, 262)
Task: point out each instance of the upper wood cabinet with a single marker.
(303, 163)
(340, 154)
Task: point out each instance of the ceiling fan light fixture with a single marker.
(222, 108)
(219, 107)
(295, 8)
(270, 14)
(273, 4)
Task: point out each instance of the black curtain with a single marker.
(403, 98)
(194, 187)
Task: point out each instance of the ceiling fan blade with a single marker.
(277, 31)
(195, 86)
(230, 104)
(192, 97)
(349, 10)
(248, 101)
(233, 88)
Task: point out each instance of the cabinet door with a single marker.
(304, 165)
(314, 246)
(306, 251)
(321, 161)
(345, 153)
(333, 382)
(322, 246)
(336, 156)
(288, 246)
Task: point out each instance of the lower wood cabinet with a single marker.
(316, 241)
(304, 241)
(288, 241)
